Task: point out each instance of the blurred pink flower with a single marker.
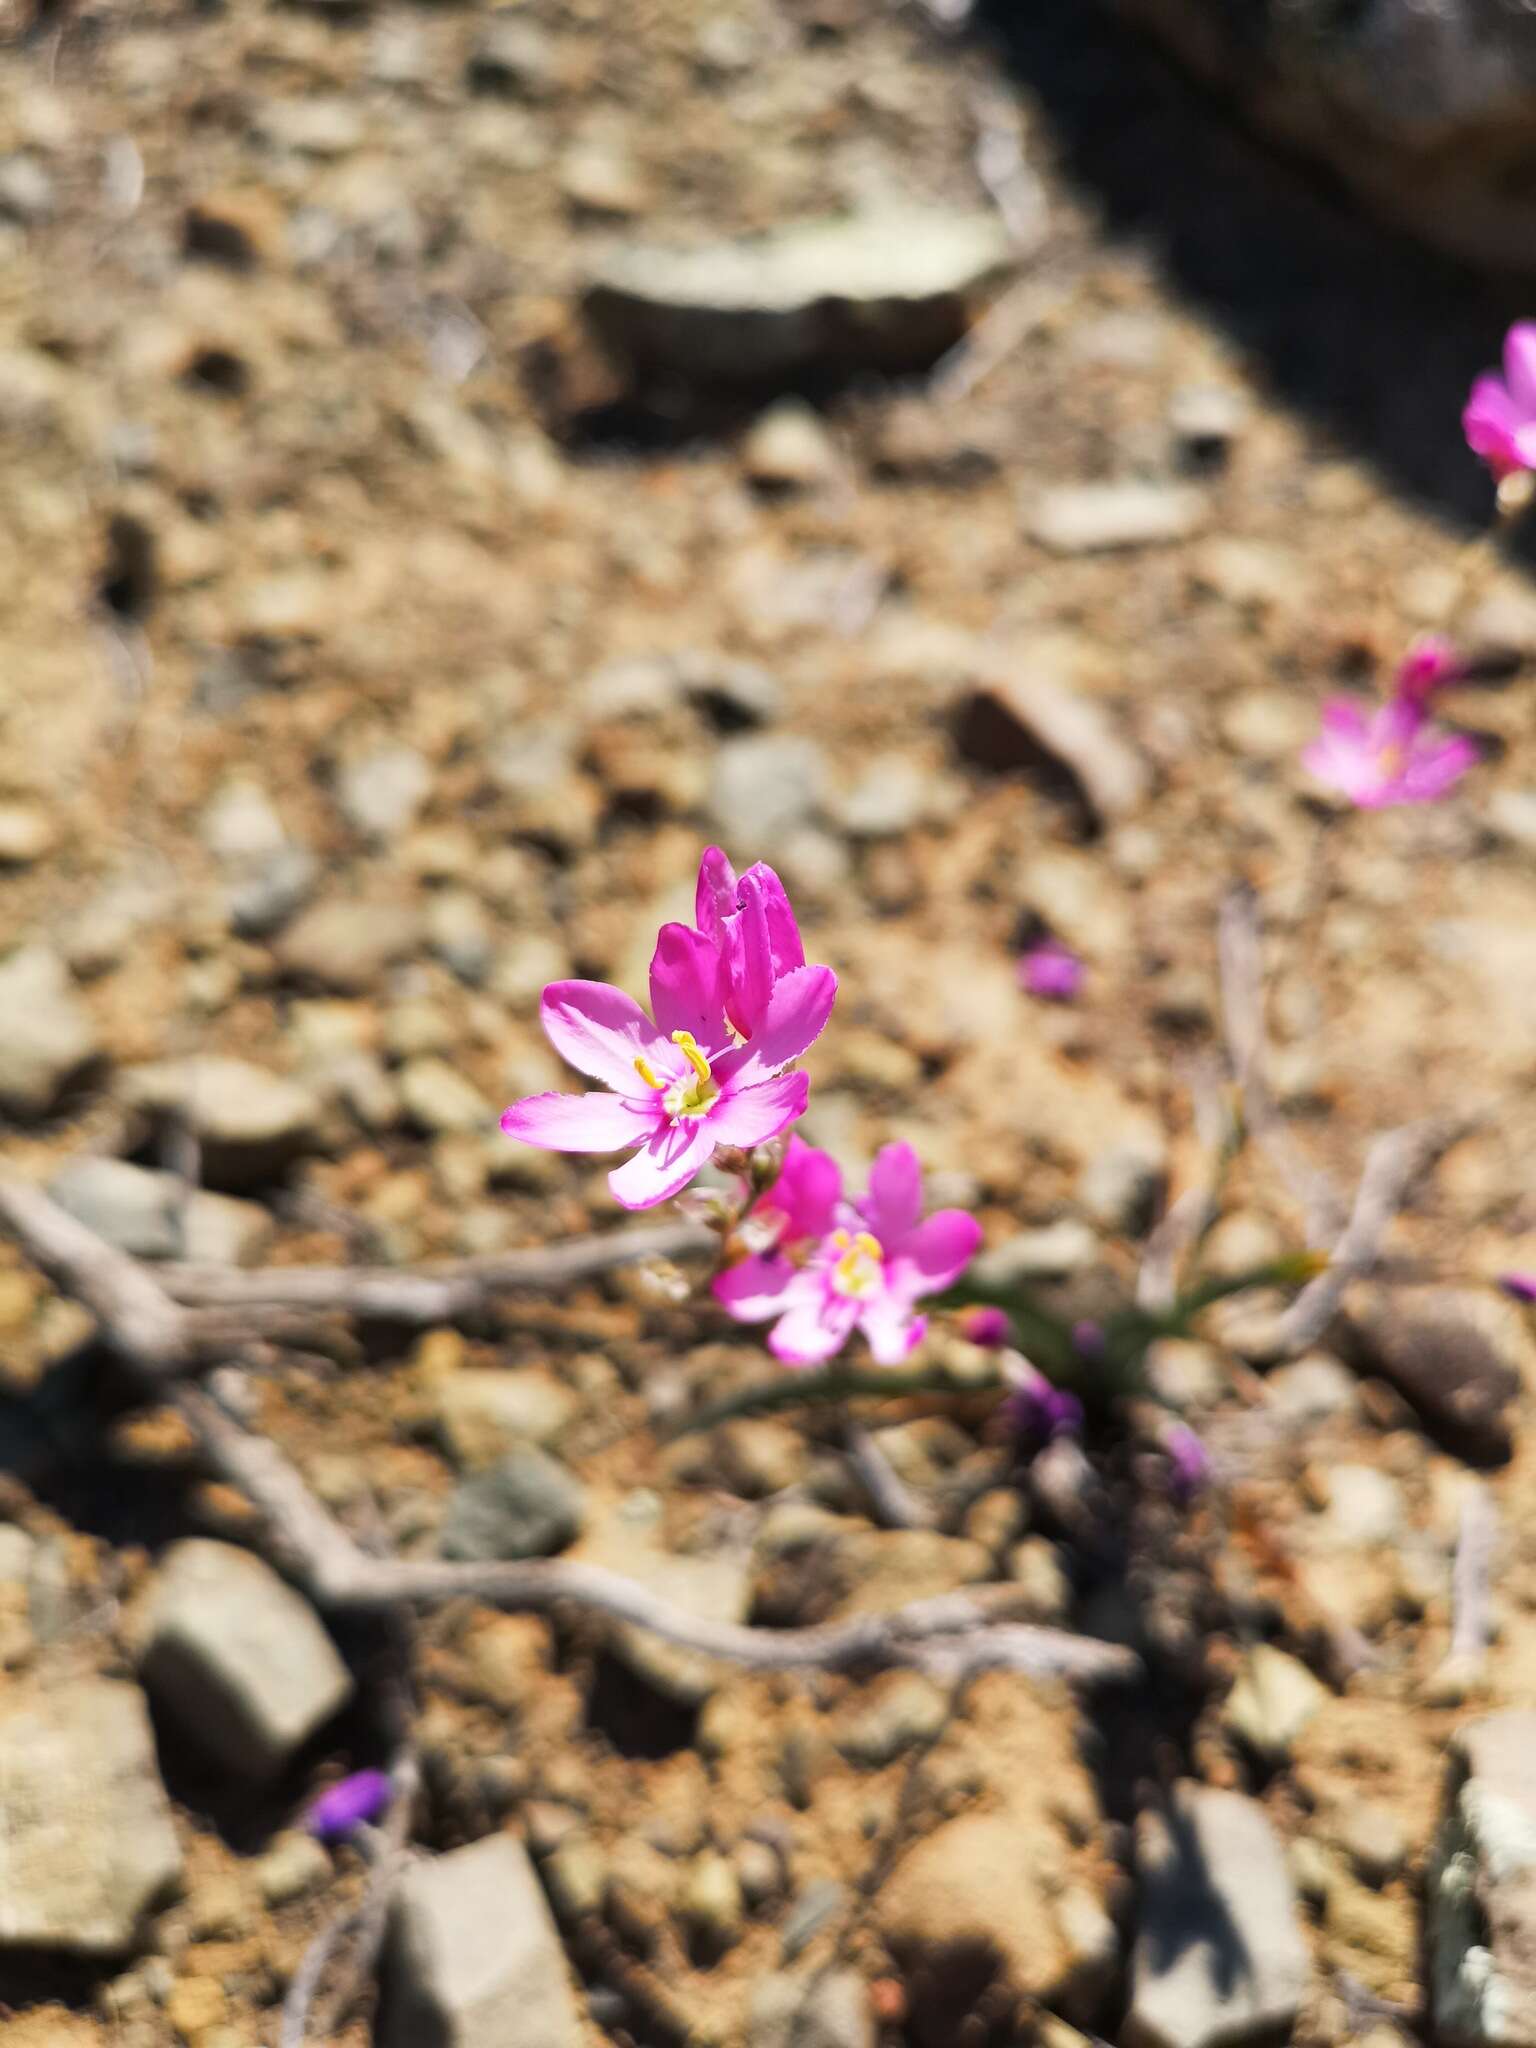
(1430, 664)
(749, 922)
(987, 1326)
(801, 1204)
(348, 1803)
(868, 1272)
(1500, 417)
(1052, 970)
(1388, 756)
(1519, 1286)
(682, 1085)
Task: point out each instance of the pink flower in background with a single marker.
(1429, 666)
(868, 1273)
(749, 922)
(681, 1085)
(1189, 1463)
(1052, 970)
(1519, 1286)
(1500, 417)
(801, 1204)
(1389, 756)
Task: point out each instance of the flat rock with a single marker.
(1220, 1957)
(1482, 1889)
(347, 945)
(86, 1828)
(1033, 715)
(481, 1413)
(1273, 1700)
(1456, 1357)
(1090, 519)
(888, 289)
(472, 1956)
(764, 785)
(154, 1215)
(249, 1123)
(49, 1037)
(525, 1505)
(238, 1657)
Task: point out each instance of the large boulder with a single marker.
(1428, 111)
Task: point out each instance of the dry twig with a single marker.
(1471, 1574)
(957, 1630)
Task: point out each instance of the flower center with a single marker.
(857, 1269)
(690, 1094)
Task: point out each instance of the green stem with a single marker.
(815, 1389)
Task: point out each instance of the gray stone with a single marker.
(1373, 1838)
(240, 823)
(904, 1710)
(346, 945)
(789, 448)
(133, 1208)
(48, 1037)
(472, 1958)
(270, 890)
(294, 1866)
(26, 188)
(1220, 1957)
(512, 58)
(830, 2010)
(381, 793)
(716, 1585)
(248, 1123)
(439, 1098)
(525, 1505)
(1481, 1901)
(1050, 1253)
(888, 288)
(27, 834)
(219, 1230)
(238, 1657)
(86, 1828)
(460, 934)
(763, 786)
(1120, 1186)
(892, 794)
(1087, 519)
(1273, 1700)
(481, 1413)
(1455, 1355)
(1205, 419)
(1313, 1388)
(1425, 111)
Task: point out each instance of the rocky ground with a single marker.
(384, 638)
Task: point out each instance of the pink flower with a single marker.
(801, 1204)
(1519, 1286)
(682, 1085)
(987, 1326)
(748, 921)
(1500, 417)
(1430, 664)
(867, 1273)
(1389, 756)
(1052, 970)
(350, 1802)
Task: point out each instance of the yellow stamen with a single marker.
(858, 1268)
(688, 1046)
(647, 1072)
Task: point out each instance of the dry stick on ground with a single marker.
(1189, 1217)
(955, 1631)
(1471, 1621)
(423, 1295)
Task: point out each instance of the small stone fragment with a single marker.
(905, 1709)
(238, 1657)
(1372, 1837)
(27, 833)
(1084, 519)
(789, 449)
(525, 1505)
(381, 793)
(439, 1098)
(248, 1123)
(294, 1865)
(1220, 1957)
(88, 1841)
(346, 945)
(764, 785)
(1481, 1896)
(829, 2010)
(48, 1038)
(473, 1958)
(481, 1413)
(1273, 1700)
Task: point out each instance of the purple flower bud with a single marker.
(1519, 1286)
(987, 1326)
(1088, 1338)
(1189, 1464)
(1051, 970)
(1039, 1413)
(348, 1803)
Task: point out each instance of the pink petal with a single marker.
(1431, 773)
(890, 1329)
(1344, 718)
(798, 1008)
(895, 1198)
(751, 1115)
(600, 1030)
(785, 945)
(938, 1251)
(1491, 422)
(806, 1193)
(579, 1123)
(686, 986)
(664, 1167)
(753, 1292)
(714, 896)
(813, 1331)
(750, 955)
(1520, 364)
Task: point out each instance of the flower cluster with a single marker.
(1394, 754)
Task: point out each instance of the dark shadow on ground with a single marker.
(1373, 337)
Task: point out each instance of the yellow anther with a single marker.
(647, 1072)
(870, 1246)
(688, 1046)
(857, 1269)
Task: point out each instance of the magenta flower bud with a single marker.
(1038, 1413)
(1088, 1338)
(1430, 664)
(987, 1326)
(1189, 1464)
(348, 1803)
(1519, 1286)
(1051, 971)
